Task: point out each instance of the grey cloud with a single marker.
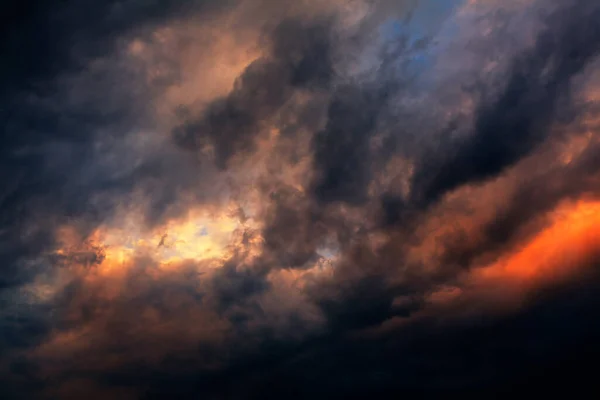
(514, 124)
(174, 332)
(299, 58)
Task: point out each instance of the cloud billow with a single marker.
(260, 200)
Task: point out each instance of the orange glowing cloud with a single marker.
(555, 252)
(200, 236)
(563, 250)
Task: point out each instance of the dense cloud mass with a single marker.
(253, 199)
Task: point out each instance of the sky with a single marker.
(260, 199)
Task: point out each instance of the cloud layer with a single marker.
(254, 199)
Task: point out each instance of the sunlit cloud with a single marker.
(243, 199)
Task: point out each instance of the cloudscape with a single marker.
(310, 199)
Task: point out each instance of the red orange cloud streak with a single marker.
(556, 252)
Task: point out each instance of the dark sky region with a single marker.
(260, 199)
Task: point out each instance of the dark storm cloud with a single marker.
(299, 58)
(57, 102)
(523, 211)
(294, 229)
(175, 333)
(487, 356)
(346, 160)
(529, 352)
(342, 154)
(42, 39)
(359, 303)
(54, 101)
(233, 285)
(518, 120)
(344, 164)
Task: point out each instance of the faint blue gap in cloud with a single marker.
(328, 252)
(202, 231)
(430, 15)
(427, 21)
